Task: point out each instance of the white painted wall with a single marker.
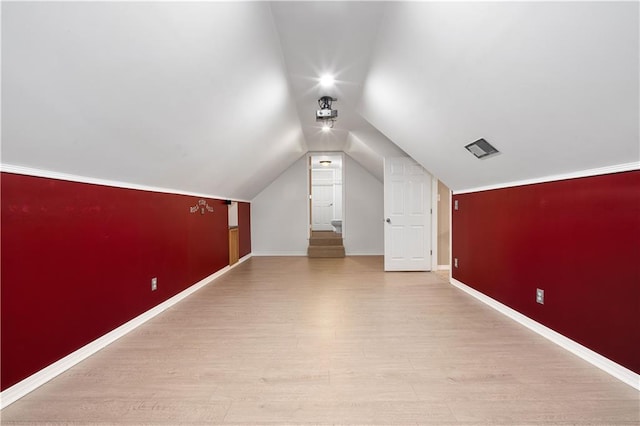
(364, 202)
(337, 200)
(279, 214)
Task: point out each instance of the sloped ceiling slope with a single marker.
(334, 38)
(368, 147)
(186, 96)
(319, 38)
(554, 86)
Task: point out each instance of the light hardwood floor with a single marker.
(330, 341)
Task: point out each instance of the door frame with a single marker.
(309, 156)
(433, 220)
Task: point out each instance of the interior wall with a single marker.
(78, 259)
(444, 232)
(364, 211)
(279, 223)
(337, 200)
(279, 213)
(578, 240)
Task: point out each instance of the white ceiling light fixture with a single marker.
(326, 128)
(327, 81)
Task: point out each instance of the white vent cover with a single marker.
(481, 148)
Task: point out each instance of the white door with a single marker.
(407, 208)
(322, 200)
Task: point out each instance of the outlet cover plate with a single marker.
(154, 283)
(540, 296)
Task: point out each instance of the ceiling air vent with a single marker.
(481, 148)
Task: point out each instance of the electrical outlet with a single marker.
(455, 204)
(154, 284)
(540, 296)
(455, 262)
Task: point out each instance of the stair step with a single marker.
(322, 241)
(325, 251)
(325, 234)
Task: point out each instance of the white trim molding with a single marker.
(279, 253)
(616, 370)
(28, 171)
(626, 167)
(444, 267)
(20, 389)
(363, 253)
(434, 222)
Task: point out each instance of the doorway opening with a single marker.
(326, 204)
(326, 192)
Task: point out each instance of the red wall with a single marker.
(578, 240)
(77, 262)
(244, 228)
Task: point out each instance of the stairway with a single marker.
(325, 244)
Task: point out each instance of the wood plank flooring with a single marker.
(330, 341)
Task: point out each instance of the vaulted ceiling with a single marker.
(219, 98)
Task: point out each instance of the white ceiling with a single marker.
(335, 161)
(552, 85)
(220, 98)
(327, 38)
(191, 96)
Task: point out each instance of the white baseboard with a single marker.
(20, 389)
(444, 267)
(299, 253)
(616, 370)
(279, 253)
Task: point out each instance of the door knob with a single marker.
(388, 220)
